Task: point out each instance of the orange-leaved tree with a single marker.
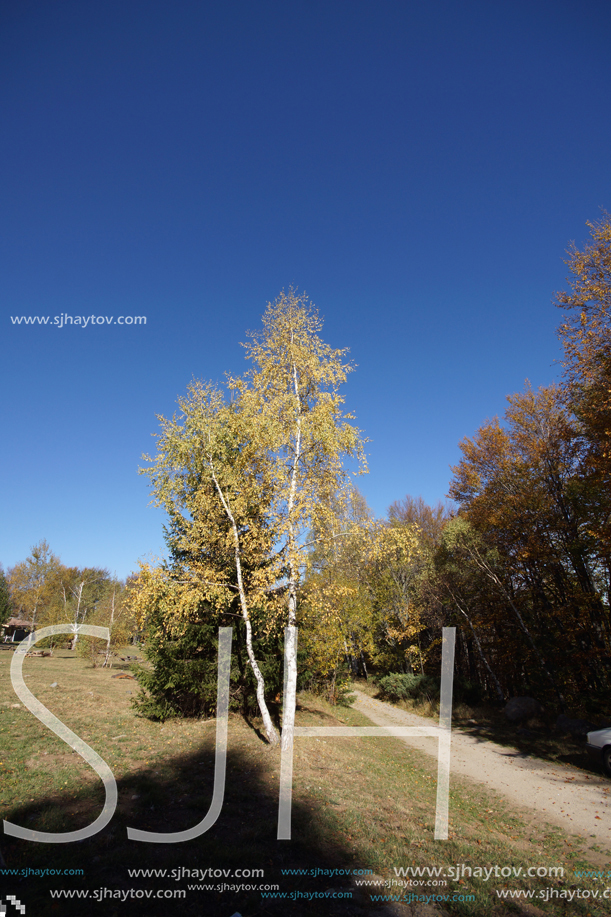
(586, 337)
(520, 487)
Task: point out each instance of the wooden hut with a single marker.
(15, 630)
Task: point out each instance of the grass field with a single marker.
(357, 804)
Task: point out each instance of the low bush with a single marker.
(402, 686)
(420, 688)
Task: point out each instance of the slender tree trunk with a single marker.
(290, 681)
(270, 730)
(495, 681)
(420, 656)
(348, 655)
(498, 582)
(76, 615)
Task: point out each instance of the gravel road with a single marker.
(560, 794)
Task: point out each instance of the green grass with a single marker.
(357, 803)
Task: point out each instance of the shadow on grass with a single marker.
(244, 837)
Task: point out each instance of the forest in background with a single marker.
(519, 562)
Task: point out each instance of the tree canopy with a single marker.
(245, 474)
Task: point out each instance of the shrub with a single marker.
(401, 686)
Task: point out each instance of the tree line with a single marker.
(523, 567)
(267, 532)
(41, 591)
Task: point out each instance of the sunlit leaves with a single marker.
(245, 474)
(586, 337)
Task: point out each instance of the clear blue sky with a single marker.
(418, 168)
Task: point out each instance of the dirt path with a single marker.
(563, 795)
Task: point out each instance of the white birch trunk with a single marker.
(290, 680)
(290, 686)
(270, 729)
(78, 608)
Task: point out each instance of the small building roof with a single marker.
(17, 622)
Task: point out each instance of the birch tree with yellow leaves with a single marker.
(244, 479)
(290, 401)
(211, 478)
